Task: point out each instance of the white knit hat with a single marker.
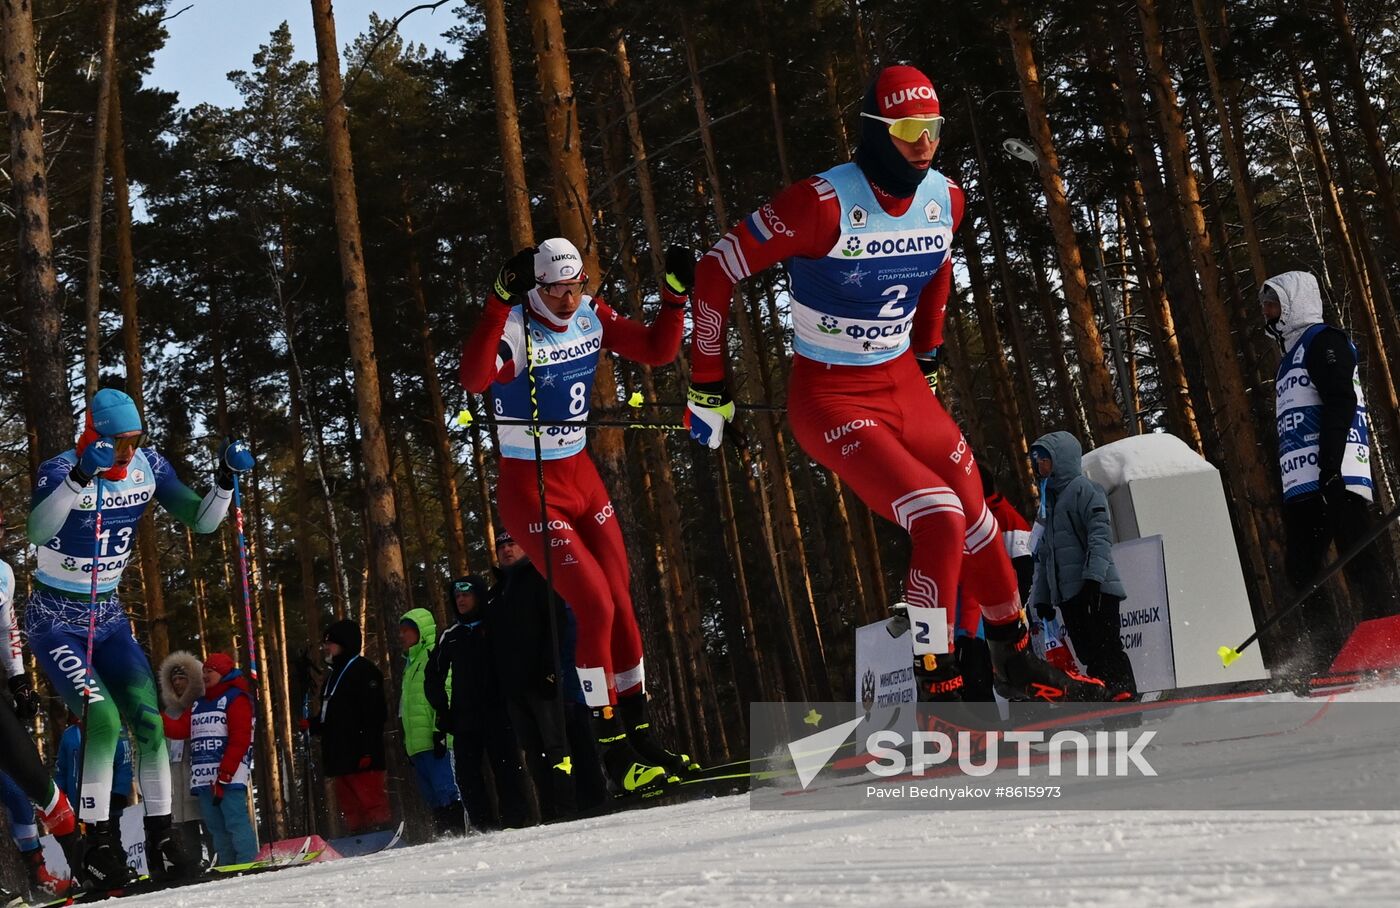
(558, 260)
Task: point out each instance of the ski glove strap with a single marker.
(928, 364)
(680, 269)
(708, 408)
(517, 275)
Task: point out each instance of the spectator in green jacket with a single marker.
(425, 742)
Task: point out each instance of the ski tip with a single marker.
(1228, 654)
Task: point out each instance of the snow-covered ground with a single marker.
(719, 852)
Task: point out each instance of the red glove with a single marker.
(365, 761)
(303, 724)
(225, 778)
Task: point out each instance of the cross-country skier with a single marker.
(537, 345)
(109, 455)
(867, 248)
(20, 757)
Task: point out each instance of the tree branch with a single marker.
(378, 42)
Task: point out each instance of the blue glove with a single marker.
(708, 408)
(234, 457)
(98, 457)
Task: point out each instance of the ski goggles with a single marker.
(559, 288)
(463, 586)
(908, 129)
(125, 444)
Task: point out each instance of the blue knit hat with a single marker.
(113, 412)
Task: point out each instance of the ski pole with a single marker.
(585, 424)
(551, 597)
(91, 639)
(243, 573)
(247, 624)
(1228, 655)
(465, 418)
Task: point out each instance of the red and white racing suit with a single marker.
(589, 560)
(870, 280)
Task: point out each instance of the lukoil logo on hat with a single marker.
(558, 260)
(904, 91)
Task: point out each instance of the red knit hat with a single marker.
(219, 662)
(903, 91)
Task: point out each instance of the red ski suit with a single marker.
(589, 560)
(878, 427)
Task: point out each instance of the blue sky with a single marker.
(214, 37)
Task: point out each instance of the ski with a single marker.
(144, 885)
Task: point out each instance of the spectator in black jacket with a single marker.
(538, 677)
(474, 711)
(351, 727)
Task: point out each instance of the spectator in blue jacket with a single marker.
(1074, 568)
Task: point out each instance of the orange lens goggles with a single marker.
(127, 443)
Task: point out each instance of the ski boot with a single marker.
(634, 718)
(628, 773)
(449, 821)
(1033, 678)
(43, 886)
(104, 860)
(166, 855)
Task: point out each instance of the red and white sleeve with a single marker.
(801, 221)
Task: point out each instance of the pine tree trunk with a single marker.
(788, 546)
(446, 464)
(678, 586)
(863, 55)
(1254, 494)
(833, 100)
(92, 287)
(1233, 145)
(1181, 412)
(517, 193)
(574, 213)
(1171, 371)
(965, 384)
(382, 536)
(147, 552)
(1008, 409)
(1029, 398)
(306, 554)
(1106, 419)
(1064, 379)
(201, 606)
(770, 84)
(437, 593)
(1370, 128)
(1383, 403)
(1251, 343)
(1347, 189)
(266, 662)
(1164, 226)
(41, 309)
